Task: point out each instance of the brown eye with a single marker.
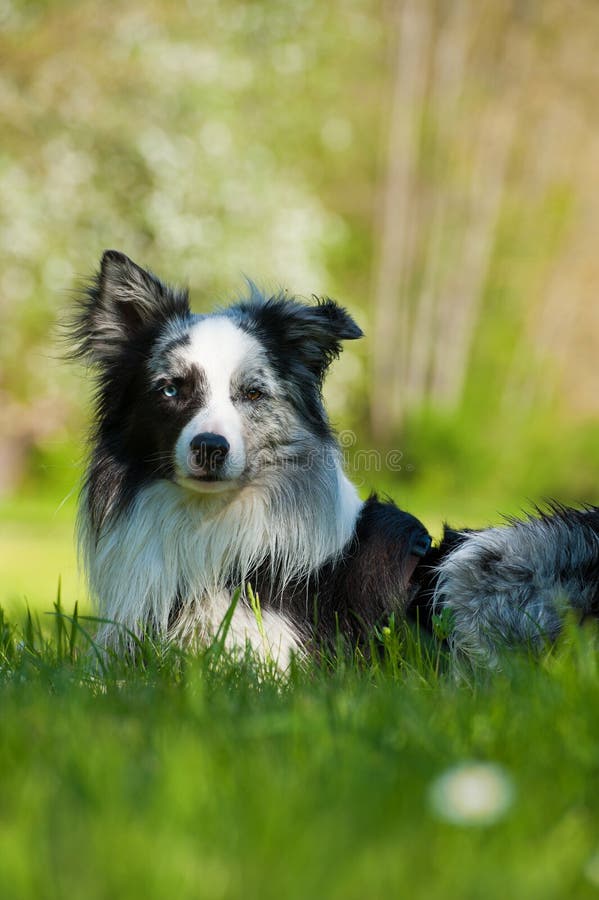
(252, 394)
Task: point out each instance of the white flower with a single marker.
(472, 793)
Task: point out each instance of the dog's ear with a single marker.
(298, 332)
(318, 331)
(121, 302)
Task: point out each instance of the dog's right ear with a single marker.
(122, 301)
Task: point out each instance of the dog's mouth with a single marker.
(202, 486)
(207, 477)
(205, 472)
(206, 481)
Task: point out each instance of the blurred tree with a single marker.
(477, 89)
(219, 137)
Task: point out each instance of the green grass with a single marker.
(37, 550)
(205, 777)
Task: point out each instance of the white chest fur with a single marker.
(170, 544)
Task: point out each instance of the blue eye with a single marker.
(170, 390)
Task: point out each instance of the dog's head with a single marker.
(208, 401)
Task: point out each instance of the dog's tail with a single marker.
(512, 585)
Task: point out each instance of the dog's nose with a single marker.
(210, 450)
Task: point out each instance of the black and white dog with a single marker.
(213, 467)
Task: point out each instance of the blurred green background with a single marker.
(432, 165)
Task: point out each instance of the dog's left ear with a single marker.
(332, 321)
(297, 333)
(316, 333)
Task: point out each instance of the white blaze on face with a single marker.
(218, 348)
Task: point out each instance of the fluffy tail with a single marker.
(513, 584)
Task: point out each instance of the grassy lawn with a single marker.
(202, 777)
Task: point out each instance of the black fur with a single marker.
(363, 587)
(117, 322)
(425, 577)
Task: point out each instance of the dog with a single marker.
(215, 488)
(213, 466)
